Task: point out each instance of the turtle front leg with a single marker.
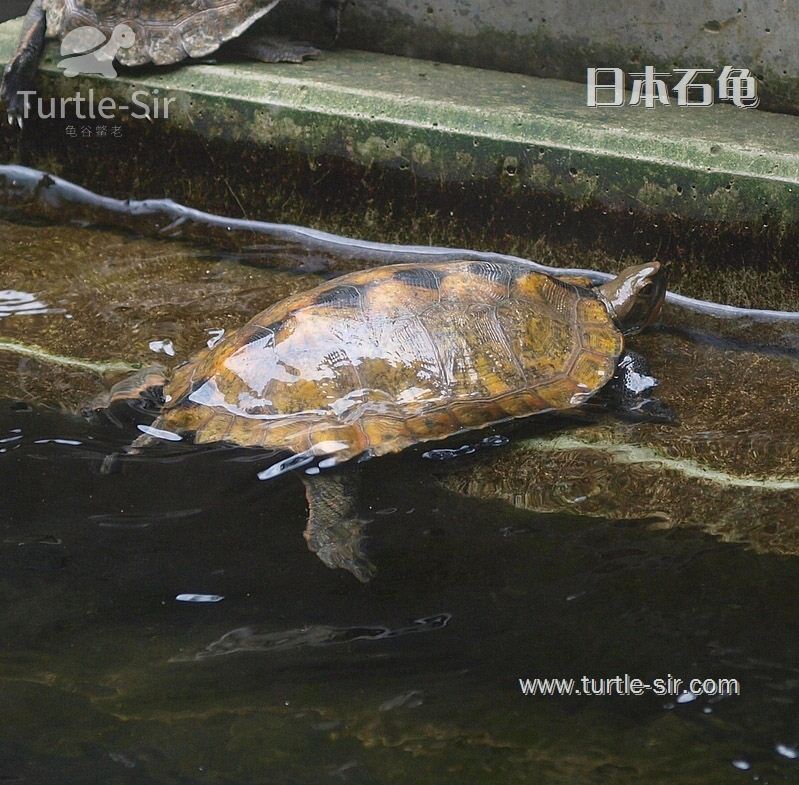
(274, 49)
(632, 392)
(335, 532)
(20, 73)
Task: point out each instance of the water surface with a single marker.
(589, 547)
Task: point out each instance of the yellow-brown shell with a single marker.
(379, 360)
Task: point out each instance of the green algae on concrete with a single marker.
(453, 124)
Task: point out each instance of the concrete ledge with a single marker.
(556, 39)
(455, 124)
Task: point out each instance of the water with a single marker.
(591, 547)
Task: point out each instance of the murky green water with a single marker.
(591, 547)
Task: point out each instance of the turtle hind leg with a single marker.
(143, 392)
(145, 387)
(632, 392)
(274, 49)
(20, 73)
(335, 532)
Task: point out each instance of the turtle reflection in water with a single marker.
(376, 361)
(138, 32)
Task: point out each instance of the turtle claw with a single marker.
(16, 106)
(19, 74)
(340, 546)
(14, 118)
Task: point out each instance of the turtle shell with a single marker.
(167, 31)
(379, 360)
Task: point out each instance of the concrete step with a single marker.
(453, 124)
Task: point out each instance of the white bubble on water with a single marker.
(162, 347)
(157, 433)
(199, 598)
(216, 336)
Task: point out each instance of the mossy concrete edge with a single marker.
(456, 124)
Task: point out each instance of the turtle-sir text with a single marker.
(143, 105)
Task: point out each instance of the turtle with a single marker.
(377, 361)
(164, 32)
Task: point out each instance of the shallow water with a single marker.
(562, 549)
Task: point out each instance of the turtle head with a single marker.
(635, 297)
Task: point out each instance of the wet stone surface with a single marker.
(589, 547)
(105, 297)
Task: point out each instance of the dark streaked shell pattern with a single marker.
(167, 31)
(379, 360)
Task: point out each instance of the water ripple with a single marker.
(14, 303)
(251, 639)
